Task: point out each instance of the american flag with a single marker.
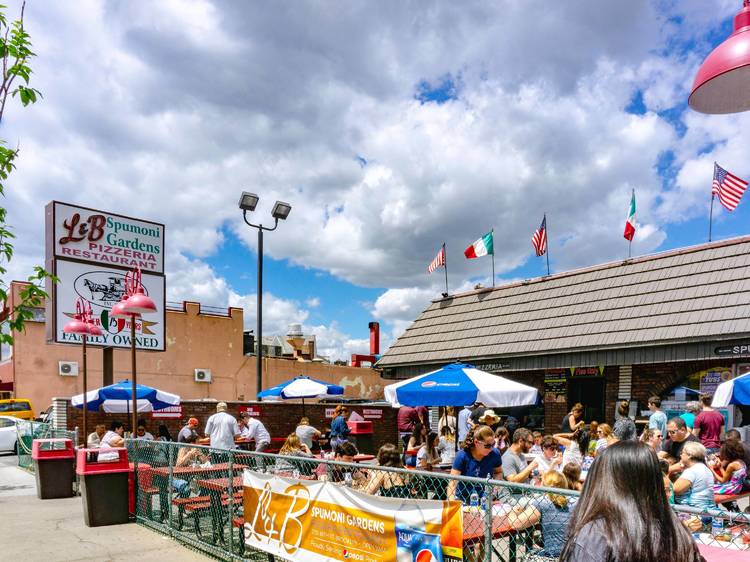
(438, 261)
(728, 187)
(539, 240)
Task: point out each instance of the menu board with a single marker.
(556, 385)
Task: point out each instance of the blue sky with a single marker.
(389, 130)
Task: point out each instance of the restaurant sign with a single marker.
(79, 233)
(314, 521)
(102, 287)
(170, 412)
(730, 350)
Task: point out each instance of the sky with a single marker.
(390, 127)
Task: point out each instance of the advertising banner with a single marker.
(97, 236)
(312, 521)
(103, 287)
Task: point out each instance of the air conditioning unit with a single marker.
(67, 368)
(203, 375)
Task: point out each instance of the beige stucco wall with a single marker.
(194, 341)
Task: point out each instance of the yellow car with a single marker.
(17, 408)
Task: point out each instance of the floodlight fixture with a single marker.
(248, 201)
(281, 210)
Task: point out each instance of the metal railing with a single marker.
(185, 492)
(27, 431)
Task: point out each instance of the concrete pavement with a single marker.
(53, 530)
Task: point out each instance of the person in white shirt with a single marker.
(222, 428)
(142, 434)
(256, 431)
(306, 432)
(94, 439)
(463, 424)
(113, 438)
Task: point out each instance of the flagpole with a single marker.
(493, 256)
(710, 216)
(546, 233)
(445, 267)
(630, 240)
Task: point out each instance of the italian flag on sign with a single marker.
(630, 223)
(481, 247)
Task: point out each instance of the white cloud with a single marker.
(168, 110)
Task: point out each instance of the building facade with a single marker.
(204, 358)
(618, 331)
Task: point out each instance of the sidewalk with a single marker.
(53, 530)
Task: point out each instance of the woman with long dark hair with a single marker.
(623, 514)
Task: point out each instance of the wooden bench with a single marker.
(722, 499)
(188, 505)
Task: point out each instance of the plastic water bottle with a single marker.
(717, 526)
(474, 500)
(348, 479)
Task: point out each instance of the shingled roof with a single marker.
(686, 295)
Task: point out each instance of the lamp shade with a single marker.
(722, 84)
(118, 311)
(77, 326)
(139, 303)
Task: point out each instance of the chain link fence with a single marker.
(27, 431)
(195, 495)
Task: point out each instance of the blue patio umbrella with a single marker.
(458, 384)
(301, 387)
(118, 398)
(734, 391)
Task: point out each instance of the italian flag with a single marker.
(481, 247)
(630, 223)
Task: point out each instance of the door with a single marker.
(589, 391)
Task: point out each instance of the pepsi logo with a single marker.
(424, 555)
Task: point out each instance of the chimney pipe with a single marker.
(374, 338)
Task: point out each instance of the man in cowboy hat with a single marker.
(490, 418)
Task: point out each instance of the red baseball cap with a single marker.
(193, 421)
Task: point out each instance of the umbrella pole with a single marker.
(303, 407)
(455, 437)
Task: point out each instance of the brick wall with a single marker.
(280, 418)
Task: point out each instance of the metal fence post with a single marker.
(169, 490)
(488, 521)
(230, 505)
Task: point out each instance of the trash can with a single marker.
(362, 433)
(103, 485)
(53, 467)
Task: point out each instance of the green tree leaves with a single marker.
(15, 53)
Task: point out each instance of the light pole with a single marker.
(83, 325)
(281, 210)
(134, 303)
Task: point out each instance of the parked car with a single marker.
(8, 434)
(17, 408)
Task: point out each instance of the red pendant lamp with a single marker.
(722, 84)
(78, 325)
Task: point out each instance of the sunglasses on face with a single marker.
(486, 445)
(673, 431)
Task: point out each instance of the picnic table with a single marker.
(161, 474)
(719, 554)
(215, 488)
(474, 532)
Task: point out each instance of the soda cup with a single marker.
(414, 545)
